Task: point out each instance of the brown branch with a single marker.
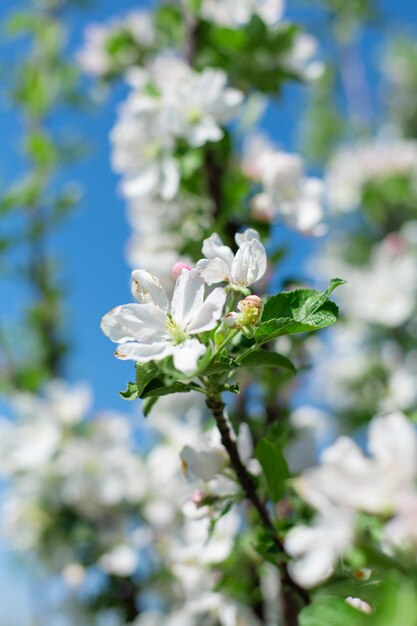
(294, 597)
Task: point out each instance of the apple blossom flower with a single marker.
(230, 14)
(240, 270)
(193, 105)
(352, 167)
(147, 331)
(286, 191)
(142, 153)
(301, 58)
(384, 290)
(349, 479)
(317, 548)
(207, 458)
(95, 57)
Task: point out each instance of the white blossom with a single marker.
(194, 105)
(317, 548)
(384, 290)
(349, 479)
(353, 167)
(286, 191)
(302, 57)
(142, 153)
(95, 57)
(207, 458)
(148, 332)
(240, 270)
(122, 560)
(230, 14)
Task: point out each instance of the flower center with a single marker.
(194, 115)
(151, 151)
(178, 334)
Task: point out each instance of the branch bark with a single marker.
(294, 597)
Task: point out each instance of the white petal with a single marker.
(214, 271)
(186, 355)
(245, 442)
(213, 247)
(135, 322)
(204, 460)
(143, 183)
(247, 235)
(148, 290)
(188, 297)
(144, 352)
(313, 568)
(210, 312)
(393, 442)
(249, 264)
(171, 179)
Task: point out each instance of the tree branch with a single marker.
(294, 597)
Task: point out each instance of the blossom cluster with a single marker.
(347, 483)
(285, 190)
(152, 331)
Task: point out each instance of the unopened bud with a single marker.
(177, 269)
(250, 310)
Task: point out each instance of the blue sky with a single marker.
(92, 242)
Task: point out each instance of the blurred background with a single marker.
(66, 260)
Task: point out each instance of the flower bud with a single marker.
(250, 310)
(177, 269)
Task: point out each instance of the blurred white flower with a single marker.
(205, 458)
(96, 56)
(193, 105)
(354, 166)
(384, 290)
(147, 332)
(347, 478)
(142, 153)
(317, 548)
(240, 270)
(286, 192)
(230, 14)
(122, 560)
(302, 57)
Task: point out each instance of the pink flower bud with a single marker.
(177, 269)
(197, 498)
(250, 309)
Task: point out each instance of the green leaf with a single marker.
(264, 358)
(332, 612)
(144, 375)
(131, 392)
(274, 466)
(301, 310)
(158, 388)
(148, 404)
